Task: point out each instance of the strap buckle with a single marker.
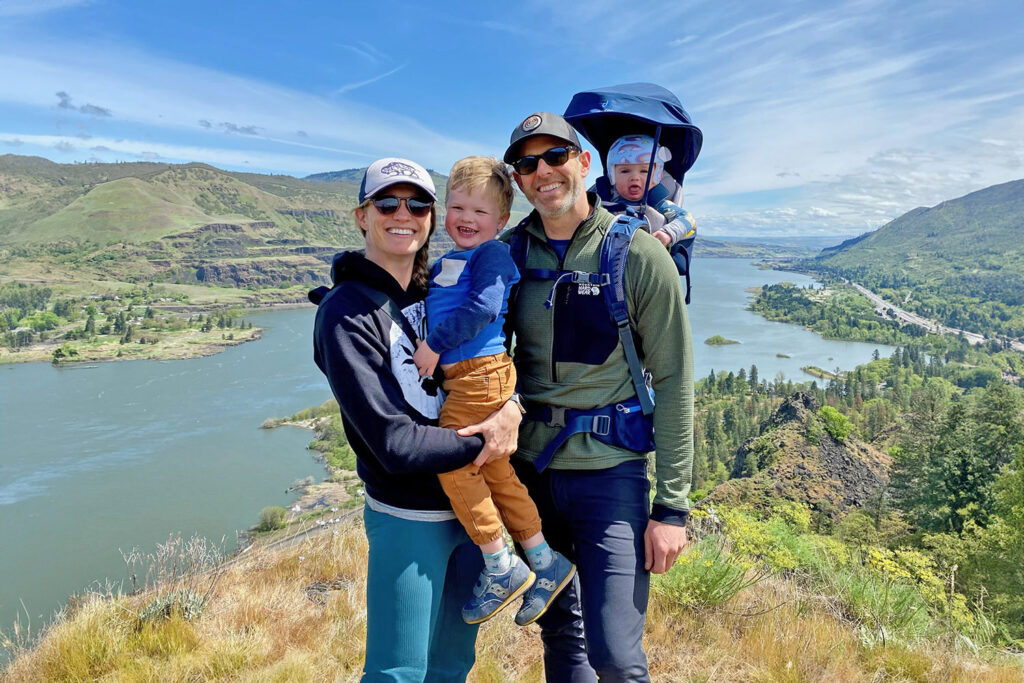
(602, 425)
(557, 418)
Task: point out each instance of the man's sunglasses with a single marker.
(556, 156)
(389, 205)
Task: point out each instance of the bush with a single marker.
(836, 423)
(272, 517)
(184, 603)
(705, 576)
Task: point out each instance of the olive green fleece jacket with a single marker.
(657, 313)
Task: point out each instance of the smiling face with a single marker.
(631, 180)
(554, 190)
(472, 216)
(392, 241)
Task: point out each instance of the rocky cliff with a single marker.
(796, 458)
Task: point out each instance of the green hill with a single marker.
(194, 224)
(960, 262)
(189, 223)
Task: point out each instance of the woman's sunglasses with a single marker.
(389, 205)
(556, 156)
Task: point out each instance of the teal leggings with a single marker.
(419, 575)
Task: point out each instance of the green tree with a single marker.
(836, 423)
(272, 517)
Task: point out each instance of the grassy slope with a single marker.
(104, 203)
(297, 614)
(977, 233)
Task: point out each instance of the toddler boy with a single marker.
(466, 307)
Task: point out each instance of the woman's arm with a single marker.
(357, 362)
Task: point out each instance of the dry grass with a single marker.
(298, 615)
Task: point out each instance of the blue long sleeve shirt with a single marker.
(468, 301)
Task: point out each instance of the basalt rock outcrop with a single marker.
(796, 458)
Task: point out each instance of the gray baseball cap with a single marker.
(393, 171)
(540, 123)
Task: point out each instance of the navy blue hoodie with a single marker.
(389, 412)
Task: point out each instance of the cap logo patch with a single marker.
(532, 122)
(398, 168)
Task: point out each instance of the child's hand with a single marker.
(425, 358)
(663, 237)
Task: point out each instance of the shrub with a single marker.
(184, 603)
(272, 517)
(705, 576)
(836, 423)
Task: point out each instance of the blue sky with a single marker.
(819, 117)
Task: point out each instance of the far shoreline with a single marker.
(43, 352)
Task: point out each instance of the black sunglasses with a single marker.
(556, 156)
(389, 205)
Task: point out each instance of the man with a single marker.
(593, 493)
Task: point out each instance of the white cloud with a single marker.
(174, 99)
(358, 84)
(116, 149)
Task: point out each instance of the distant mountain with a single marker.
(189, 223)
(713, 248)
(978, 237)
(960, 262)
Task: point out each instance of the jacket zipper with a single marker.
(554, 301)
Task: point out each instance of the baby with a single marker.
(466, 307)
(628, 160)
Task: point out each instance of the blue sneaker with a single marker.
(493, 592)
(545, 589)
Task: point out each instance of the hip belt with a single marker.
(618, 424)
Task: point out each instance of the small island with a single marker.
(719, 340)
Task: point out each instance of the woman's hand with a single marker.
(500, 431)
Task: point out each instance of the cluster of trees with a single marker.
(956, 493)
(30, 314)
(990, 303)
(835, 314)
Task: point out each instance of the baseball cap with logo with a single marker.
(540, 123)
(393, 171)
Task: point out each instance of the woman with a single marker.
(420, 559)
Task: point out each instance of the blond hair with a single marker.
(473, 173)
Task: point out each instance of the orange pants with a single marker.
(485, 497)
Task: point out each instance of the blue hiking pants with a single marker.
(596, 518)
(419, 575)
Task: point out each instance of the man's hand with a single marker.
(500, 430)
(663, 237)
(662, 545)
(425, 358)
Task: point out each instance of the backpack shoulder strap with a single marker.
(614, 250)
(386, 304)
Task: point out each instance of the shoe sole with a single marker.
(519, 591)
(554, 594)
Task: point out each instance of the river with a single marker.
(114, 455)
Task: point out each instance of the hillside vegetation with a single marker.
(811, 610)
(960, 262)
(176, 224)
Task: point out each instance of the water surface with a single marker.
(115, 455)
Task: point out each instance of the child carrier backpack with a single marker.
(604, 115)
(628, 424)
